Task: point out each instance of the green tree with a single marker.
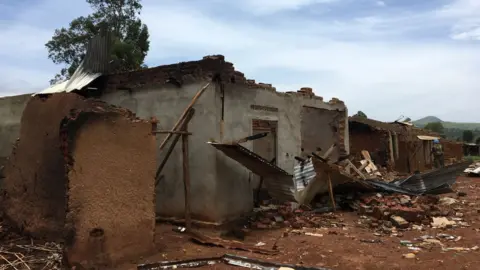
(435, 127)
(467, 136)
(120, 17)
(361, 114)
(477, 141)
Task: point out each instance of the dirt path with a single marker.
(350, 247)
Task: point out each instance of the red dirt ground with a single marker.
(342, 248)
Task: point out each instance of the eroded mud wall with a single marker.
(111, 159)
(34, 184)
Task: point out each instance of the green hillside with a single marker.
(450, 125)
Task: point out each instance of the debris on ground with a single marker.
(227, 259)
(203, 239)
(31, 256)
(442, 222)
(473, 170)
(409, 256)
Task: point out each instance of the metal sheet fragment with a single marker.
(229, 259)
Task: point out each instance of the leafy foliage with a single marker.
(361, 114)
(477, 141)
(131, 44)
(435, 127)
(467, 136)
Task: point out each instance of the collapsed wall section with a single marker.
(34, 184)
(110, 166)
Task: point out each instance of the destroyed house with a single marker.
(378, 138)
(398, 146)
(452, 151)
(226, 167)
(415, 145)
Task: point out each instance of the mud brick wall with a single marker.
(34, 187)
(210, 67)
(452, 149)
(402, 163)
(110, 165)
(371, 140)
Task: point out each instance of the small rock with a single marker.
(417, 227)
(409, 256)
(388, 224)
(458, 214)
(405, 200)
(447, 201)
(461, 194)
(399, 222)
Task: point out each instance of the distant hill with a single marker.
(450, 125)
(425, 120)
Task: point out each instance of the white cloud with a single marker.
(370, 61)
(380, 3)
(263, 7)
(465, 15)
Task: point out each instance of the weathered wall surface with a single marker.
(214, 177)
(34, 186)
(452, 150)
(286, 109)
(111, 171)
(166, 103)
(319, 128)
(11, 109)
(220, 187)
(375, 142)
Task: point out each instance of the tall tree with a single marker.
(361, 114)
(435, 127)
(467, 136)
(121, 17)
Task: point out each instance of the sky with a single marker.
(387, 58)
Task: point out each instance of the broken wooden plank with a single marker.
(187, 119)
(329, 151)
(184, 114)
(207, 240)
(172, 132)
(355, 169)
(330, 192)
(186, 178)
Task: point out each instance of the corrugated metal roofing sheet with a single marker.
(279, 183)
(429, 182)
(95, 63)
(303, 174)
(427, 138)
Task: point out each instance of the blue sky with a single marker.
(387, 58)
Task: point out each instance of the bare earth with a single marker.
(348, 247)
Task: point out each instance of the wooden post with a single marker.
(330, 191)
(189, 116)
(184, 114)
(186, 179)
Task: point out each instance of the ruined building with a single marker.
(398, 146)
(231, 108)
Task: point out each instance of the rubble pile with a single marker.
(386, 213)
(289, 215)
